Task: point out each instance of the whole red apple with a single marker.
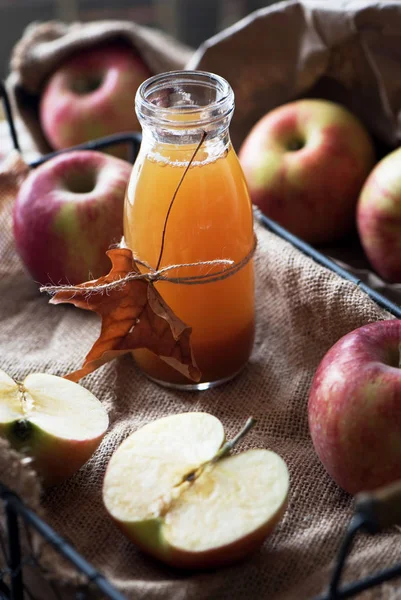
(305, 163)
(91, 95)
(67, 213)
(379, 217)
(355, 407)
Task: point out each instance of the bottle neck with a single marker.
(183, 108)
(207, 145)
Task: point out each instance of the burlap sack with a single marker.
(348, 51)
(44, 46)
(302, 309)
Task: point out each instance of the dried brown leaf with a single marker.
(134, 315)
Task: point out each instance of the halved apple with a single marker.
(172, 491)
(56, 422)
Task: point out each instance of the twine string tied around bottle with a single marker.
(229, 269)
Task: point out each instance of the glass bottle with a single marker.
(185, 115)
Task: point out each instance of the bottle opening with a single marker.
(185, 99)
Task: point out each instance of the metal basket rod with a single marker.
(352, 589)
(14, 559)
(355, 525)
(9, 114)
(16, 507)
(133, 139)
(323, 260)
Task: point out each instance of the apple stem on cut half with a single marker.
(228, 446)
(175, 490)
(164, 504)
(224, 450)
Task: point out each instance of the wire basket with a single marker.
(372, 513)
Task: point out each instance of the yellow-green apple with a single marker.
(379, 217)
(355, 407)
(67, 213)
(305, 163)
(91, 95)
(175, 493)
(57, 423)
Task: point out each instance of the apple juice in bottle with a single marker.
(185, 117)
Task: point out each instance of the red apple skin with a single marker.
(62, 236)
(70, 117)
(54, 459)
(154, 543)
(379, 217)
(355, 408)
(312, 191)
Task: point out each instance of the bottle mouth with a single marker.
(184, 99)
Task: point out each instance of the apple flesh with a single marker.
(91, 95)
(355, 408)
(379, 217)
(305, 163)
(164, 491)
(67, 213)
(57, 423)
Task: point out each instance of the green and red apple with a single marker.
(91, 95)
(67, 213)
(305, 163)
(379, 217)
(355, 407)
(58, 424)
(174, 493)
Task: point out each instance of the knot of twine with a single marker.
(155, 275)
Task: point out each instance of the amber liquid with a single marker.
(211, 219)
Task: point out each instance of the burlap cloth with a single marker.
(302, 309)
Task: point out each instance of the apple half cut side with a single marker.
(171, 499)
(57, 423)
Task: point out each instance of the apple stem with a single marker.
(228, 446)
(224, 450)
